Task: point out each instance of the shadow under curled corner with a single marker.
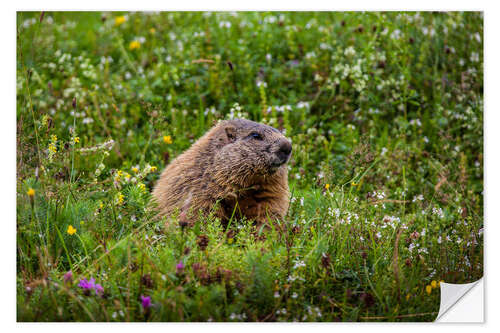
(461, 303)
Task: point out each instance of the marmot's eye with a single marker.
(256, 135)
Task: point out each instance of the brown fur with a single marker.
(229, 168)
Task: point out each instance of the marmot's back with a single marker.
(238, 162)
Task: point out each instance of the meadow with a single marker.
(385, 113)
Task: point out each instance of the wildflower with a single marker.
(167, 139)
(76, 139)
(433, 284)
(71, 230)
(120, 198)
(142, 187)
(31, 193)
(120, 20)
(428, 289)
(299, 263)
(134, 45)
(202, 242)
(349, 51)
(146, 302)
(152, 31)
(179, 268)
(135, 169)
(153, 169)
(68, 277)
(407, 296)
(147, 281)
(87, 286)
(325, 260)
(367, 299)
(354, 184)
(327, 186)
(52, 148)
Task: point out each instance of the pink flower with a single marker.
(87, 286)
(146, 301)
(68, 277)
(180, 267)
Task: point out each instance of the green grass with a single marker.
(385, 112)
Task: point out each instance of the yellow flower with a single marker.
(354, 184)
(52, 148)
(142, 187)
(433, 284)
(152, 30)
(31, 192)
(134, 45)
(327, 186)
(101, 205)
(230, 241)
(153, 169)
(120, 20)
(53, 137)
(428, 289)
(135, 169)
(76, 139)
(167, 139)
(407, 296)
(71, 230)
(120, 198)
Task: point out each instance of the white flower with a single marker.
(411, 247)
(310, 55)
(349, 51)
(419, 197)
(299, 263)
(261, 83)
(396, 34)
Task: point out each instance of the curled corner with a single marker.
(461, 302)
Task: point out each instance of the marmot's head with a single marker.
(245, 150)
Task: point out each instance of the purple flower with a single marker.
(146, 301)
(90, 285)
(180, 267)
(68, 277)
(85, 284)
(98, 289)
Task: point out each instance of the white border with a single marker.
(8, 134)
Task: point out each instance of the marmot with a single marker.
(238, 168)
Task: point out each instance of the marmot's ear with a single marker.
(230, 133)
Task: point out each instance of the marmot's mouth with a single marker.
(275, 165)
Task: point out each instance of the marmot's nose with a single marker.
(285, 149)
